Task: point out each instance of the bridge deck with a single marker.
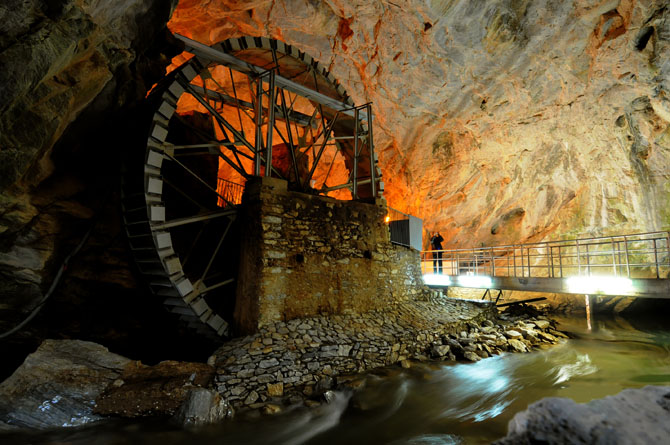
(635, 265)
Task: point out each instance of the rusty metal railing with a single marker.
(641, 255)
(229, 192)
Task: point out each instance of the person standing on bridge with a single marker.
(436, 244)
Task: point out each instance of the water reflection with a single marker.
(309, 423)
(582, 366)
(431, 439)
(482, 390)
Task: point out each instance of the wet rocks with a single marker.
(72, 382)
(299, 362)
(471, 356)
(201, 407)
(275, 389)
(57, 385)
(517, 346)
(634, 416)
(271, 409)
(541, 324)
(153, 390)
(513, 334)
(438, 351)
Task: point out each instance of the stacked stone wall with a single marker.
(288, 363)
(306, 255)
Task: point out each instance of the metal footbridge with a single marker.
(636, 265)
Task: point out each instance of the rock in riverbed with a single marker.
(72, 382)
(286, 364)
(57, 385)
(634, 416)
(157, 390)
(203, 406)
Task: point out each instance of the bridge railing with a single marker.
(643, 255)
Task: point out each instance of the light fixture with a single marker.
(432, 279)
(606, 285)
(476, 281)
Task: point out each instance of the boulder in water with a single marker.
(634, 416)
(57, 385)
(201, 407)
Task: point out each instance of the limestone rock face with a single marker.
(57, 385)
(73, 382)
(60, 61)
(634, 416)
(496, 121)
(56, 58)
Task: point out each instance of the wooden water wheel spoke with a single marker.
(181, 148)
(204, 290)
(216, 115)
(186, 196)
(216, 250)
(195, 242)
(190, 219)
(195, 175)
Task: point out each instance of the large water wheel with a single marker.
(245, 107)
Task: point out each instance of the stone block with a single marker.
(275, 389)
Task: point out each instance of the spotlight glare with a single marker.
(606, 285)
(476, 281)
(432, 279)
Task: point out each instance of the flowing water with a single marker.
(432, 404)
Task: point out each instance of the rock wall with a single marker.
(71, 74)
(305, 255)
(496, 121)
(57, 58)
(288, 363)
(68, 383)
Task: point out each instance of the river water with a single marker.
(433, 404)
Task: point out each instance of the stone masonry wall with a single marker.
(305, 255)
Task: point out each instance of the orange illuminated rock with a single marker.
(561, 111)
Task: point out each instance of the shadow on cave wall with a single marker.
(101, 297)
